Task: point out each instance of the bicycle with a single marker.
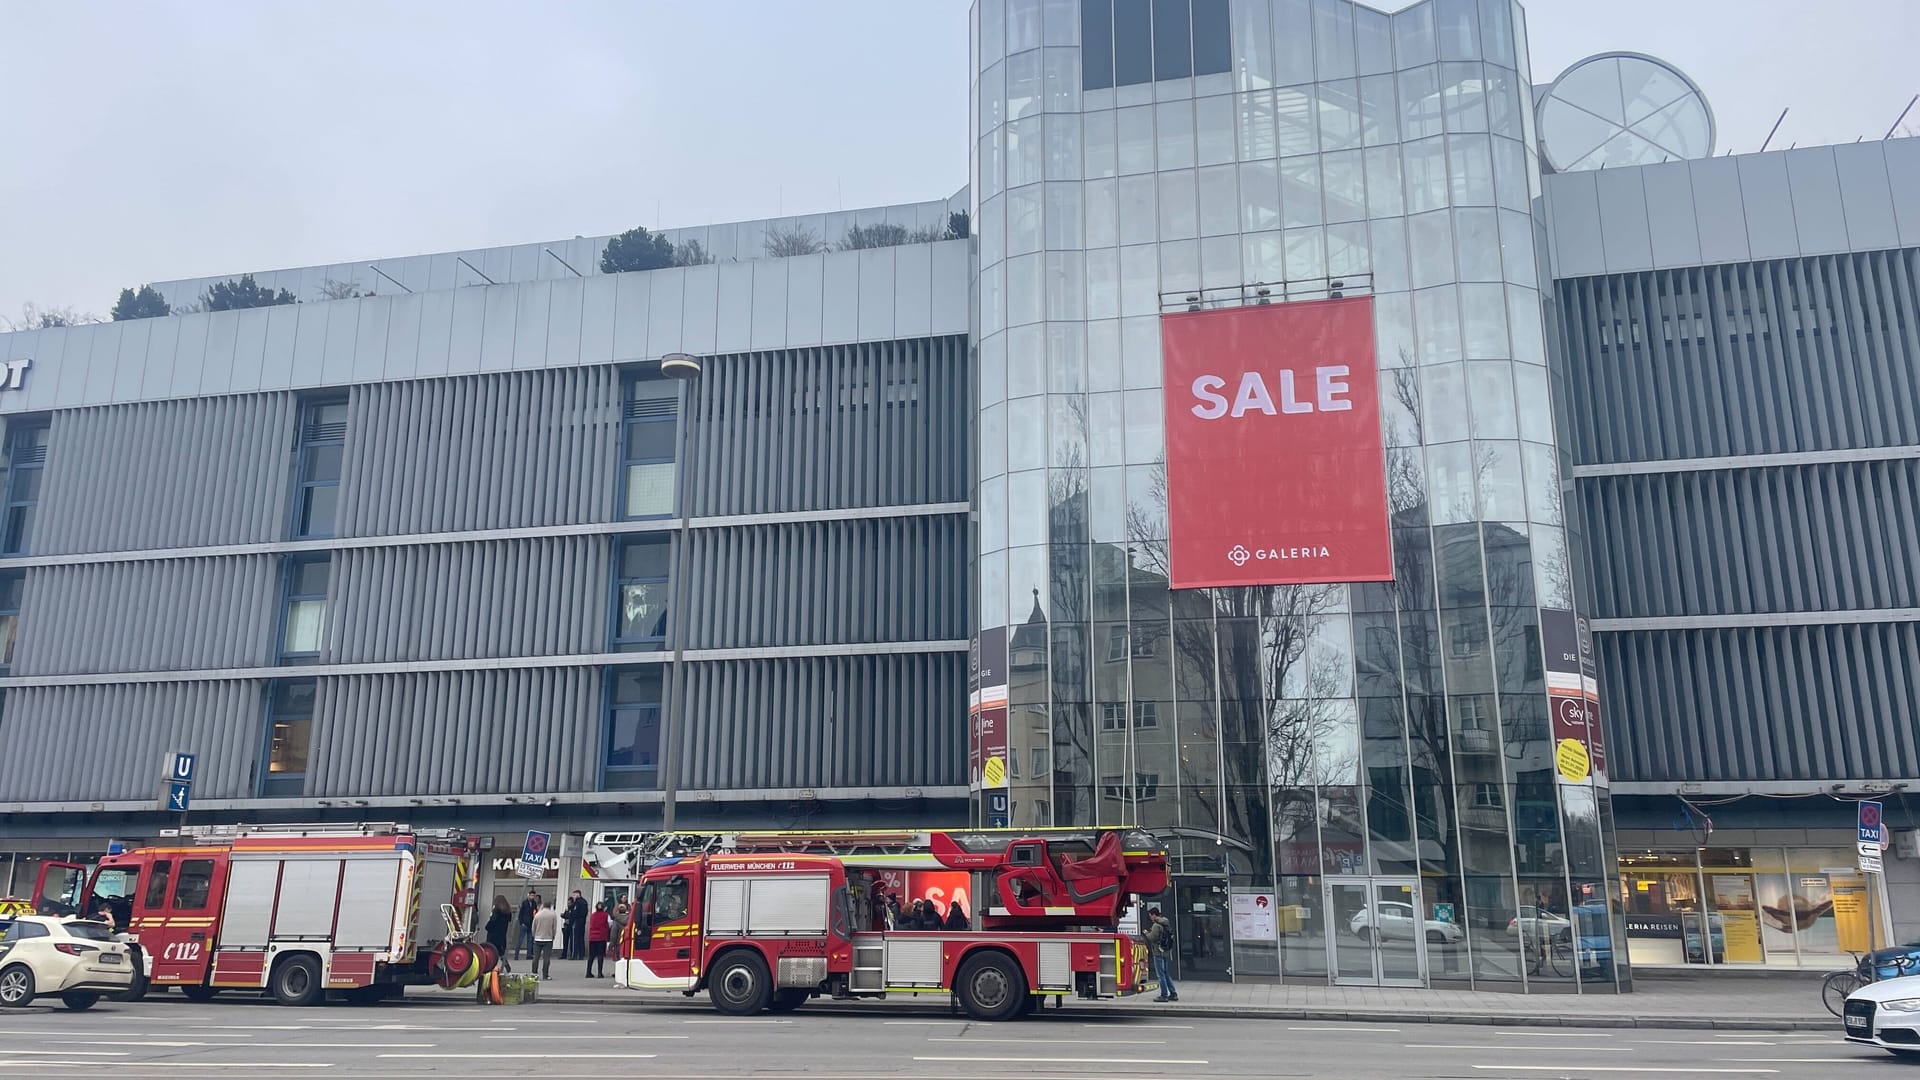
(1838, 985)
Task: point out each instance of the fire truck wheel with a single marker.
(739, 984)
(199, 994)
(1029, 1005)
(789, 1000)
(16, 986)
(991, 986)
(140, 985)
(296, 981)
(79, 999)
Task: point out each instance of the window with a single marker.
(196, 885)
(21, 930)
(1145, 788)
(1128, 42)
(633, 729)
(1146, 714)
(1472, 711)
(1487, 797)
(1116, 643)
(12, 584)
(1042, 762)
(157, 884)
(1113, 716)
(1146, 641)
(304, 621)
(323, 445)
(649, 437)
(289, 736)
(641, 593)
(26, 461)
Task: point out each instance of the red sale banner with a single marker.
(1275, 470)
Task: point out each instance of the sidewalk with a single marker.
(1786, 1004)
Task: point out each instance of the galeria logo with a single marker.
(1239, 555)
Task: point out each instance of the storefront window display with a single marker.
(1777, 907)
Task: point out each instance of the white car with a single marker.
(77, 959)
(1886, 1014)
(1399, 920)
(1534, 924)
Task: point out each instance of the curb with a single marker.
(1118, 1013)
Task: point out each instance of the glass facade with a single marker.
(1375, 760)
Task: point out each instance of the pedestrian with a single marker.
(957, 916)
(1160, 941)
(599, 929)
(523, 941)
(546, 927)
(622, 915)
(577, 927)
(497, 925)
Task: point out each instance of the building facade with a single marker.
(1344, 752)
(1741, 337)
(439, 554)
(443, 543)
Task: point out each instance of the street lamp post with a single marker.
(685, 368)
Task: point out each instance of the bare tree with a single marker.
(339, 290)
(690, 253)
(35, 317)
(799, 240)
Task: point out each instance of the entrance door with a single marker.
(1200, 929)
(1377, 933)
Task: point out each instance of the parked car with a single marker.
(1401, 921)
(75, 958)
(1534, 924)
(1886, 1014)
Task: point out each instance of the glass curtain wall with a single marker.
(1283, 734)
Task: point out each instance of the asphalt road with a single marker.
(168, 1037)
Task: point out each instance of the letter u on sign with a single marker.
(1273, 445)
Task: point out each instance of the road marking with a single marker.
(579, 1037)
(1521, 1048)
(1045, 1042)
(71, 1053)
(1806, 1060)
(1555, 1034)
(1072, 1060)
(1342, 1027)
(1703, 1042)
(543, 1021)
(743, 1020)
(496, 1057)
(918, 1023)
(1147, 1027)
(341, 1046)
(1619, 1069)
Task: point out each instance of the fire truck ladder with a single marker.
(226, 834)
(628, 854)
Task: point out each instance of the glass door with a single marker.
(1377, 933)
(1200, 927)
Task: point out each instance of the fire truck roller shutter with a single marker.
(249, 913)
(308, 891)
(792, 904)
(368, 895)
(436, 888)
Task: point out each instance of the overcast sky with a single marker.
(150, 141)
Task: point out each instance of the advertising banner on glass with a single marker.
(1253, 917)
(1276, 472)
(1573, 699)
(987, 711)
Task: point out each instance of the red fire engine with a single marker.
(769, 920)
(297, 910)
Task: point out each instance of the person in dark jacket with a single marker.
(523, 941)
(497, 925)
(957, 916)
(577, 927)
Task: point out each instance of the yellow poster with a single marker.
(1850, 917)
(1739, 925)
(1742, 937)
(1572, 761)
